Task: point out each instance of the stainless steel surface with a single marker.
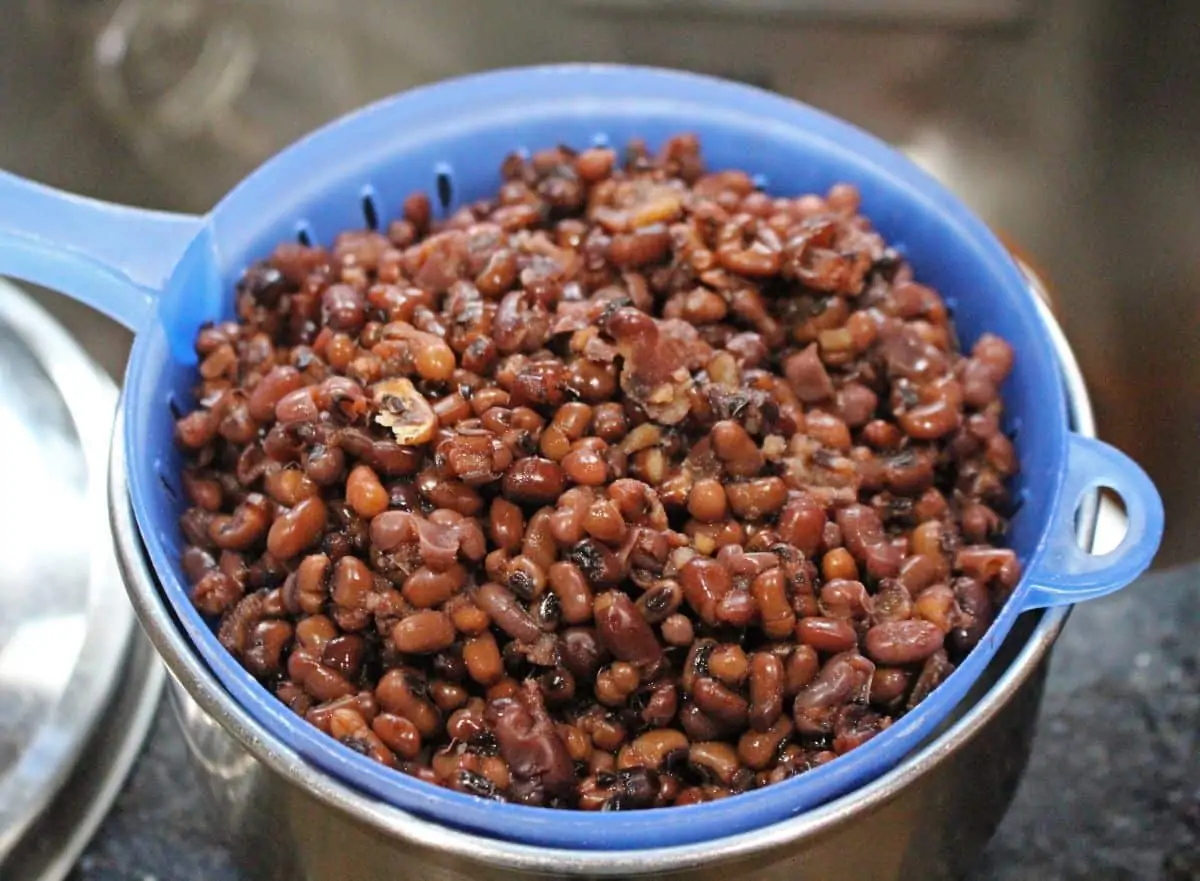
(928, 818)
(50, 848)
(66, 626)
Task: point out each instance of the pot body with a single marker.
(932, 829)
(928, 818)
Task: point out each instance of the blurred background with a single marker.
(1070, 125)
(1065, 123)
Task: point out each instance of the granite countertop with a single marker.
(1112, 792)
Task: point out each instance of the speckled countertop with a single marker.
(1112, 792)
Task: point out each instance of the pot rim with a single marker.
(201, 684)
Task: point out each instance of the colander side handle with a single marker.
(1066, 573)
(114, 258)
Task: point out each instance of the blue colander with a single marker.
(162, 275)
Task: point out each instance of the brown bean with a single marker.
(623, 630)
(758, 498)
(830, 635)
(715, 700)
(653, 749)
(935, 604)
(279, 381)
(661, 705)
(736, 449)
(289, 487)
(585, 467)
(506, 612)
(350, 585)
(264, 655)
(714, 761)
(844, 678)
(759, 747)
(902, 642)
(400, 735)
(769, 590)
(506, 524)
(705, 583)
(660, 601)
(364, 493)
(889, 685)
(402, 692)
(767, 680)
(707, 501)
(574, 595)
(677, 630)
(533, 481)
(298, 529)
(427, 588)
(482, 657)
(729, 664)
(423, 633)
(244, 528)
(802, 524)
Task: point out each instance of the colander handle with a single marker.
(1066, 573)
(114, 258)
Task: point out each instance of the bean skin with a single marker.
(831, 635)
(758, 748)
(424, 632)
(652, 749)
(365, 493)
(775, 612)
(402, 692)
(574, 594)
(507, 613)
(482, 657)
(244, 528)
(624, 631)
(534, 481)
(715, 700)
(280, 381)
(705, 583)
(399, 734)
(297, 529)
(903, 642)
(767, 681)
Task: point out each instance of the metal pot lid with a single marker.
(66, 627)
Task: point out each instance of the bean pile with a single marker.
(632, 486)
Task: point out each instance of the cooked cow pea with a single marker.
(630, 486)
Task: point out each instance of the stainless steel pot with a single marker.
(928, 819)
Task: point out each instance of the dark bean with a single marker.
(264, 655)
(660, 601)
(582, 652)
(533, 481)
(889, 685)
(720, 703)
(831, 635)
(902, 642)
(767, 681)
(506, 612)
(623, 630)
(705, 583)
